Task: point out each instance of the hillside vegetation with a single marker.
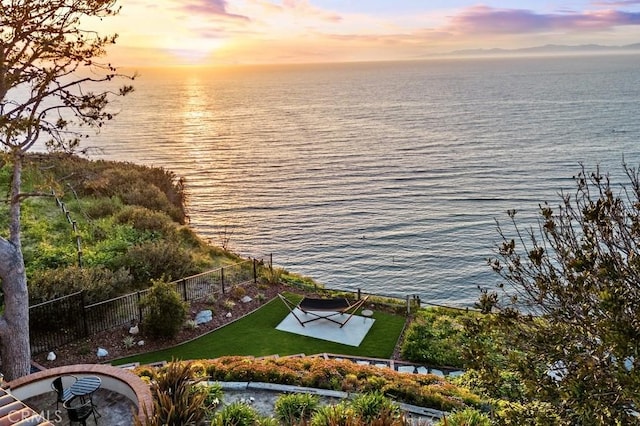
(131, 221)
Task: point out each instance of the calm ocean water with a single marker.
(387, 176)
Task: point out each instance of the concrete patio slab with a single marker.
(351, 334)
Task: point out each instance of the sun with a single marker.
(193, 51)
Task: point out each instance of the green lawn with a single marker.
(256, 335)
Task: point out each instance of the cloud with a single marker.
(303, 7)
(617, 3)
(267, 6)
(215, 8)
(487, 20)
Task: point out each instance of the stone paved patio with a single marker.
(114, 408)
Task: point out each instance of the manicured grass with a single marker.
(256, 335)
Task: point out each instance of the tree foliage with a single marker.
(51, 89)
(43, 49)
(572, 314)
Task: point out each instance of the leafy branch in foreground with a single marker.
(572, 311)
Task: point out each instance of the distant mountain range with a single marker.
(547, 49)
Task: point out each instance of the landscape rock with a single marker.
(102, 353)
(141, 343)
(246, 299)
(204, 317)
(51, 356)
(228, 315)
(134, 330)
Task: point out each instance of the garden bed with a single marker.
(85, 351)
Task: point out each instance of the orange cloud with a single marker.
(304, 8)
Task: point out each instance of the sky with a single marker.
(228, 32)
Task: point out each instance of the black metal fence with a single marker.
(113, 312)
(56, 322)
(67, 319)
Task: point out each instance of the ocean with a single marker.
(388, 177)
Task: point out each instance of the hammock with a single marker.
(338, 306)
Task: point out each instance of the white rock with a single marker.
(203, 317)
(134, 330)
(141, 343)
(628, 363)
(409, 369)
(246, 299)
(51, 356)
(228, 315)
(102, 352)
(557, 371)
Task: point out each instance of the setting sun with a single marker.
(192, 51)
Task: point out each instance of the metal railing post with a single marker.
(84, 315)
(255, 272)
(139, 308)
(184, 289)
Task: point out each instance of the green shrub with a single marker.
(98, 233)
(526, 414)
(466, 417)
(366, 411)
(191, 239)
(106, 243)
(270, 421)
(99, 283)
(296, 407)
(334, 415)
(102, 207)
(155, 259)
(148, 187)
(506, 385)
(151, 197)
(49, 250)
(435, 337)
(271, 275)
(164, 310)
(237, 292)
(236, 414)
(371, 406)
(144, 219)
(128, 342)
(214, 395)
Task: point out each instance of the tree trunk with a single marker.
(15, 350)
